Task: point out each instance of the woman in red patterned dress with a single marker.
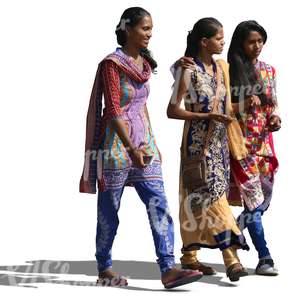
(253, 84)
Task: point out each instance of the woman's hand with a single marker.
(252, 101)
(220, 118)
(136, 155)
(186, 63)
(274, 124)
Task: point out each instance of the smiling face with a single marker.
(215, 44)
(253, 45)
(139, 35)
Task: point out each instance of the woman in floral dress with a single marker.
(205, 217)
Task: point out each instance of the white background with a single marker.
(49, 56)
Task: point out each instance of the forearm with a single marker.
(182, 114)
(119, 126)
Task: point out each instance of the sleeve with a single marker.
(274, 94)
(110, 77)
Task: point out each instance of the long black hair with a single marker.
(242, 71)
(204, 28)
(131, 17)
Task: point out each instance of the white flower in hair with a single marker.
(122, 25)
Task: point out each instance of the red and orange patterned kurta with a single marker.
(254, 175)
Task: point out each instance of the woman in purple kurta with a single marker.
(121, 150)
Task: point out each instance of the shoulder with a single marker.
(183, 74)
(108, 67)
(111, 60)
(108, 63)
(267, 67)
(222, 62)
(224, 65)
(109, 72)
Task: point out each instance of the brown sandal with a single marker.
(235, 271)
(111, 279)
(206, 270)
(183, 277)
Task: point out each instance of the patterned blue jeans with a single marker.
(152, 194)
(253, 221)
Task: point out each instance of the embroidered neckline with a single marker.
(201, 65)
(130, 62)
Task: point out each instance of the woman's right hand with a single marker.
(220, 118)
(136, 155)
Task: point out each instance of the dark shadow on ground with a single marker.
(50, 271)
